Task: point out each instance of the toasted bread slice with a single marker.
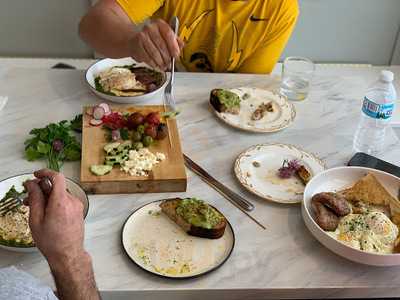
(169, 208)
(219, 106)
(369, 190)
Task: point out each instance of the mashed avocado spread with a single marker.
(229, 99)
(198, 213)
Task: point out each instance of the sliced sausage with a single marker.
(324, 217)
(335, 202)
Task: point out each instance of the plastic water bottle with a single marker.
(377, 109)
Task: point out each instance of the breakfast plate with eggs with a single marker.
(355, 212)
(124, 80)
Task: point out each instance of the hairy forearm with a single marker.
(107, 31)
(74, 278)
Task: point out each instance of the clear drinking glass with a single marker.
(297, 73)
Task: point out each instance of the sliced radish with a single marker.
(95, 122)
(89, 111)
(106, 107)
(98, 112)
(115, 135)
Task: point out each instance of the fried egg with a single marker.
(119, 79)
(372, 232)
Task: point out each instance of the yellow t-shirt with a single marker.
(224, 35)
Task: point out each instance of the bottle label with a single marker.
(377, 111)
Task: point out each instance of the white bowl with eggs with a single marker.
(337, 179)
(17, 181)
(151, 98)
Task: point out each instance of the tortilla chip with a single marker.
(125, 94)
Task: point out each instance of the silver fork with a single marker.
(12, 203)
(169, 99)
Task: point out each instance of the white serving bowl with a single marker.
(74, 188)
(154, 97)
(337, 179)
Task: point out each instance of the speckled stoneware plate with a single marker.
(74, 188)
(257, 170)
(159, 246)
(282, 116)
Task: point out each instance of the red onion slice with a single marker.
(98, 112)
(106, 107)
(95, 122)
(115, 135)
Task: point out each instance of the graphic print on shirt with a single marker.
(187, 31)
(199, 59)
(236, 54)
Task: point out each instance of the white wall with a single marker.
(361, 31)
(357, 31)
(42, 28)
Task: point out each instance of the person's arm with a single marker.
(57, 228)
(264, 58)
(109, 30)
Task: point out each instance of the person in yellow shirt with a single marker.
(245, 36)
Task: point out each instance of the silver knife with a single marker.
(218, 186)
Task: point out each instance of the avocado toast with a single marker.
(195, 217)
(225, 101)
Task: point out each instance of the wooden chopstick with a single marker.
(250, 216)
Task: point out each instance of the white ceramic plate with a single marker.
(73, 187)
(154, 97)
(282, 116)
(159, 246)
(257, 167)
(338, 179)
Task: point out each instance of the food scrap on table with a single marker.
(293, 167)
(259, 113)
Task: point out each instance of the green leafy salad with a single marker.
(56, 143)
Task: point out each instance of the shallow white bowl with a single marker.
(337, 179)
(74, 188)
(154, 97)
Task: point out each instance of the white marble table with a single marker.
(284, 261)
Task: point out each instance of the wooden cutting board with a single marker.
(167, 176)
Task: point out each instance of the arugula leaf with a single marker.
(12, 193)
(43, 148)
(32, 154)
(99, 87)
(170, 114)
